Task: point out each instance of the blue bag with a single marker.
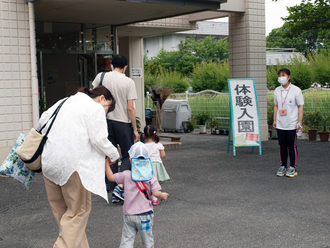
(141, 169)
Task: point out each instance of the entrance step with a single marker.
(168, 145)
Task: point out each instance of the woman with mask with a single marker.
(288, 115)
(73, 161)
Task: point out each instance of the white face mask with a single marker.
(283, 80)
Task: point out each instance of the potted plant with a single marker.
(214, 125)
(201, 119)
(304, 132)
(324, 135)
(313, 119)
(191, 124)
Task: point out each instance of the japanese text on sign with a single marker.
(245, 112)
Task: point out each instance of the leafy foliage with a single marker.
(307, 28)
(320, 64)
(283, 38)
(316, 69)
(312, 118)
(202, 117)
(212, 76)
(190, 53)
(166, 79)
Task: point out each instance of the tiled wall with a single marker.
(247, 52)
(15, 73)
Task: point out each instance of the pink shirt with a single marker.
(135, 201)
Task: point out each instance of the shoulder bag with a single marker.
(31, 149)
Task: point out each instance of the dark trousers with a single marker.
(287, 139)
(121, 134)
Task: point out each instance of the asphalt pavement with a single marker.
(216, 200)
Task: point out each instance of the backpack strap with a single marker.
(102, 76)
(142, 187)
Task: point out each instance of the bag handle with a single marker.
(102, 76)
(52, 116)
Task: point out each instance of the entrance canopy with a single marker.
(117, 12)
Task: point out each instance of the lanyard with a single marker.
(285, 96)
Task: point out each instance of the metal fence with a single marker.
(217, 103)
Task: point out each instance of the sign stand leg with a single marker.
(229, 132)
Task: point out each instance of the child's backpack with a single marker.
(141, 169)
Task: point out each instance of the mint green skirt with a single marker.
(160, 172)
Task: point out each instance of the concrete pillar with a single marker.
(247, 52)
(132, 48)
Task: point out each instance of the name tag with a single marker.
(282, 111)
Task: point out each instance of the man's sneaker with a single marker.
(281, 171)
(115, 199)
(118, 192)
(291, 172)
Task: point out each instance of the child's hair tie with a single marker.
(155, 132)
(142, 132)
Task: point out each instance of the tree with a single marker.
(310, 20)
(281, 38)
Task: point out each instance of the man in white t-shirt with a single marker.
(122, 121)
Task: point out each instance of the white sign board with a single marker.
(136, 73)
(244, 113)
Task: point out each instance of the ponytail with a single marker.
(149, 132)
(142, 137)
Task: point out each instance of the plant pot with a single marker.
(312, 134)
(304, 136)
(202, 129)
(324, 136)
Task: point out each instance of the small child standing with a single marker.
(137, 208)
(157, 153)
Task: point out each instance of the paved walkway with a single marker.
(216, 200)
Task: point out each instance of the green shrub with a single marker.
(320, 64)
(166, 78)
(313, 118)
(210, 76)
(272, 77)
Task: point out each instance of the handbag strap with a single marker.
(102, 76)
(53, 116)
(142, 187)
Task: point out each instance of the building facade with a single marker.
(50, 48)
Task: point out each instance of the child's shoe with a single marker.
(291, 172)
(118, 192)
(155, 201)
(281, 171)
(115, 199)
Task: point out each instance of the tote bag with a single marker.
(31, 149)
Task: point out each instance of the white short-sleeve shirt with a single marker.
(154, 150)
(293, 98)
(122, 89)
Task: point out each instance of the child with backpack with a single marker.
(137, 208)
